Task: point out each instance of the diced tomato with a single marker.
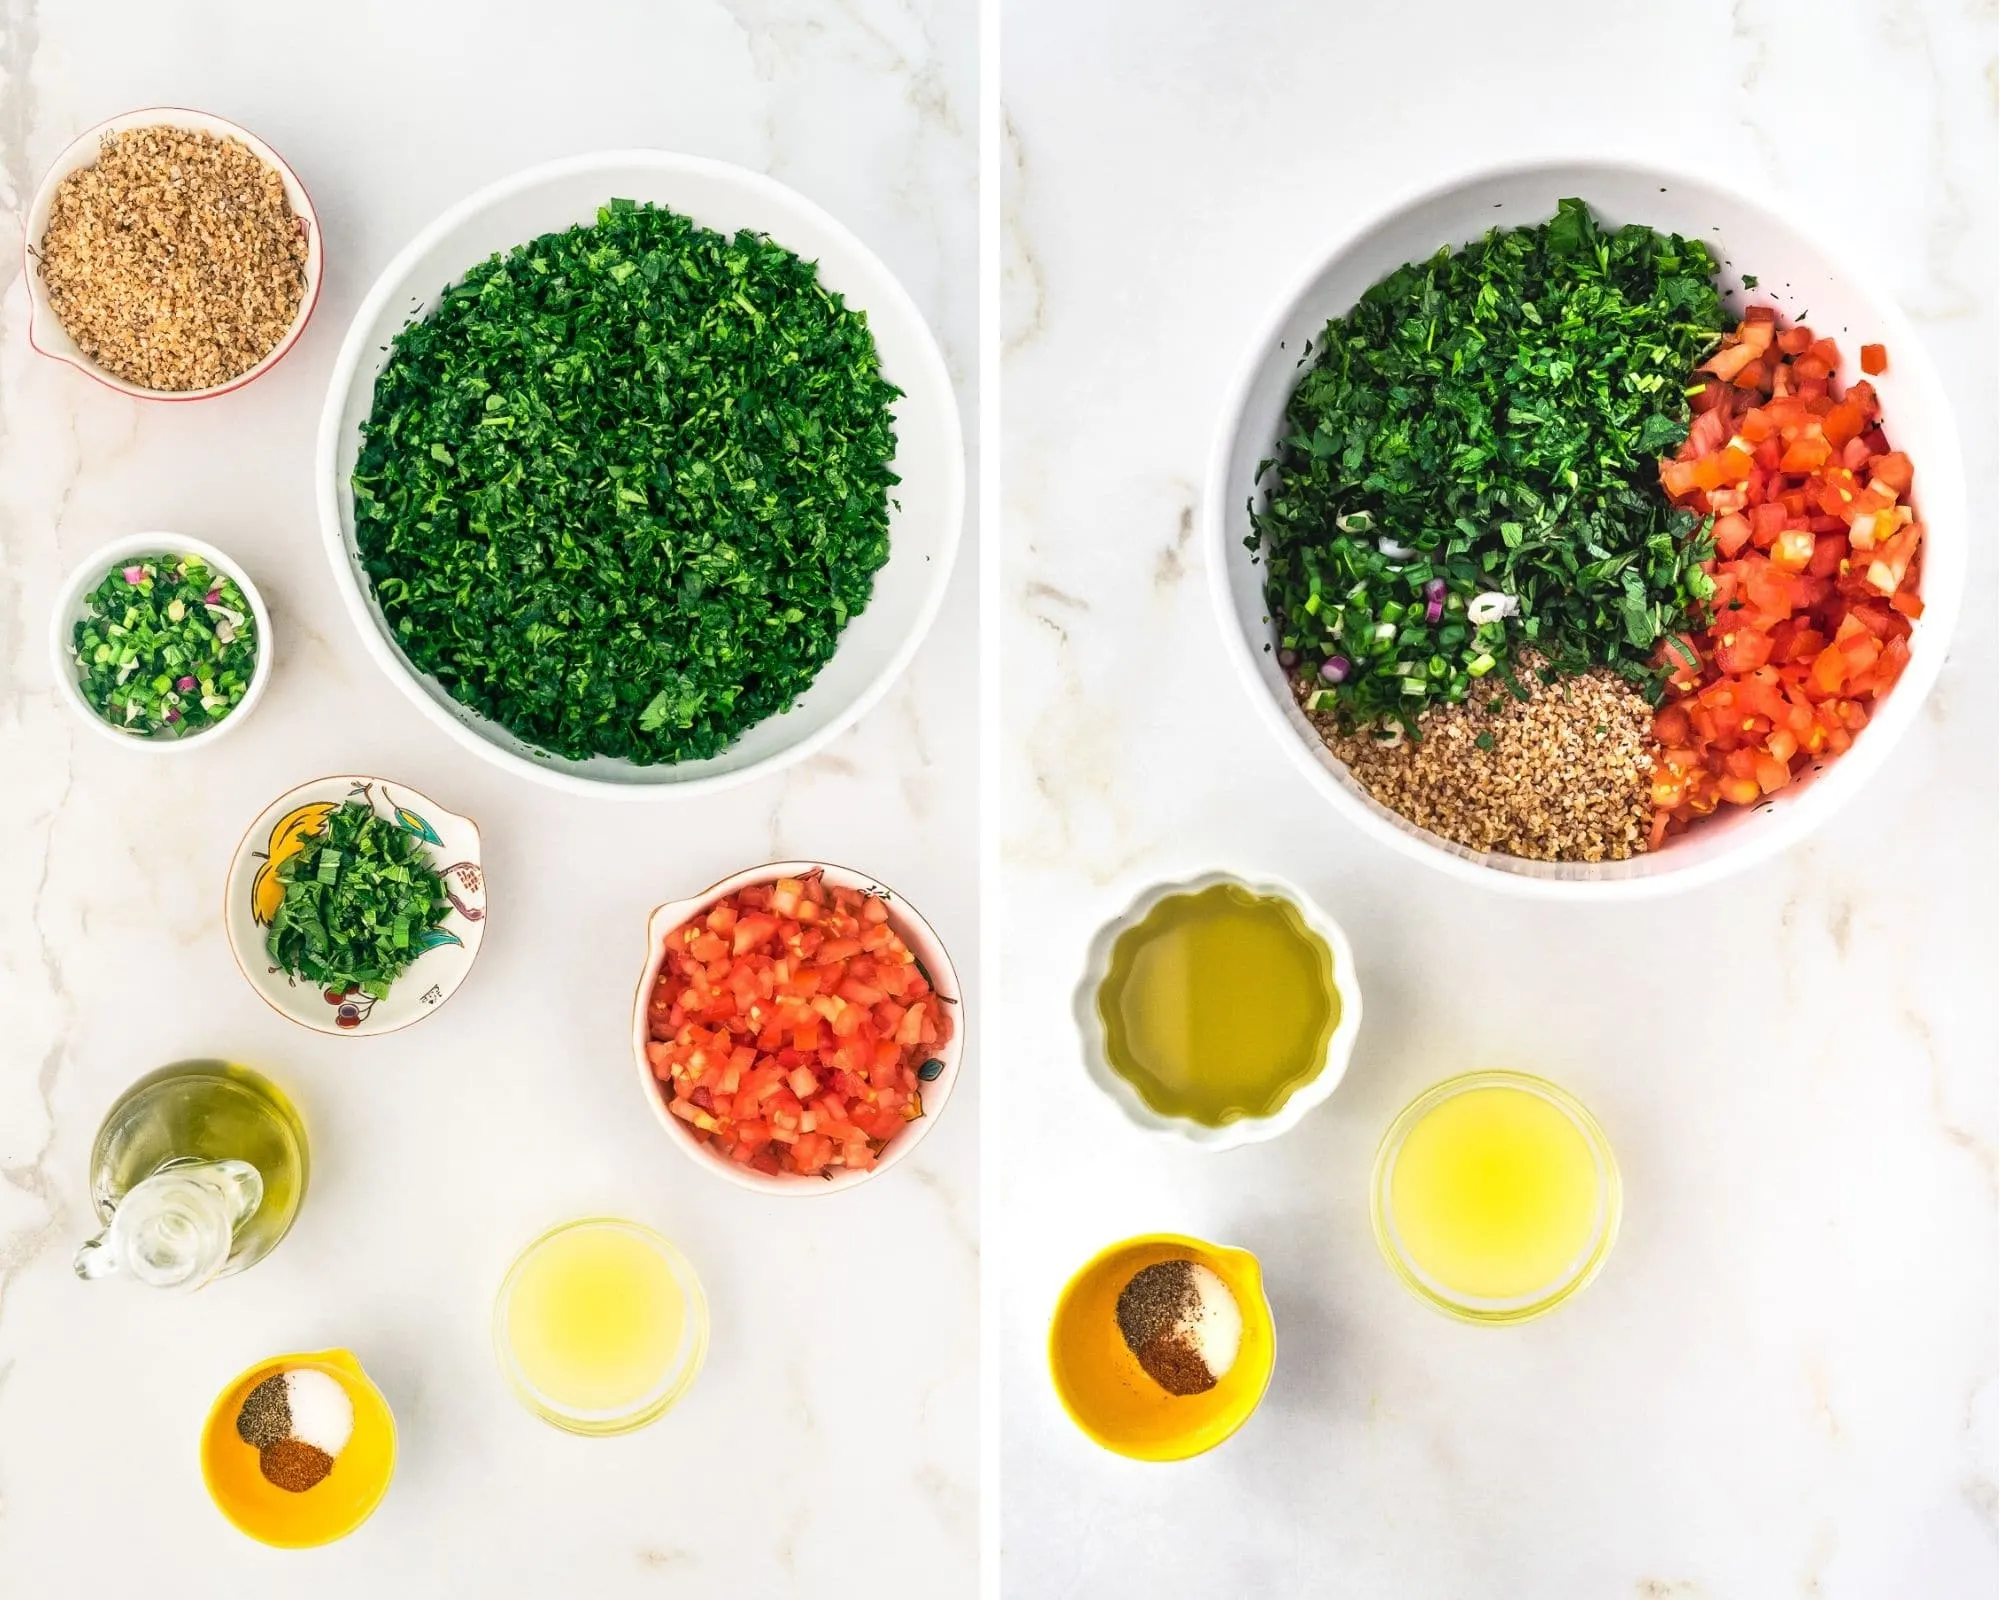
(1893, 471)
(1874, 359)
(1732, 533)
(1743, 650)
(789, 1025)
(1815, 571)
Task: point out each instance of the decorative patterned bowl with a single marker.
(924, 945)
(46, 333)
(253, 892)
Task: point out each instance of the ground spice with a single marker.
(294, 1465)
(1564, 775)
(1173, 1363)
(1154, 1309)
(176, 261)
(266, 1414)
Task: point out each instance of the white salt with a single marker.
(1215, 1329)
(322, 1413)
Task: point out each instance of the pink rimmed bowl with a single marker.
(914, 931)
(45, 330)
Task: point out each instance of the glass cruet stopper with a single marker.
(174, 1230)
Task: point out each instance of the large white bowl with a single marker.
(1802, 276)
(928, 504)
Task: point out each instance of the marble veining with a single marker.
(842, 1372)
(1784, 1382)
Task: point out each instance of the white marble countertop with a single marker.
(833, 1430)
(1784, 1382)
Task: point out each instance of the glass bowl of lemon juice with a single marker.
(600, 1326)
(1496, 1196)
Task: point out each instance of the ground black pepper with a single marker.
(266, 1415)
(1153, 1310)
(1157, 1297)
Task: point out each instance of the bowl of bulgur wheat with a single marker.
(172, 255)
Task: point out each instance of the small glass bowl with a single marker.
(681, 1370)
(1588, 1262)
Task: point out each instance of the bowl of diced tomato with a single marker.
(798, 1027)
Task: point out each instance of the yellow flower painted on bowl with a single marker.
(288, 837)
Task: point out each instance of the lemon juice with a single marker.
(601, 1325)
(1496, 1196)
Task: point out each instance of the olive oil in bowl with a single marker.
(1218, 1004)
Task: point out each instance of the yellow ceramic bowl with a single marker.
(1102, 1386)
(331, 1509)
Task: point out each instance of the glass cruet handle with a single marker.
(174, 1230)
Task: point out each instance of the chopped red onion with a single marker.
(1335, 669)
(1434, 600)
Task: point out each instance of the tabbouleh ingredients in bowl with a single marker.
(624, 486)
(175, 262)
(166, 646)
(1562, 555)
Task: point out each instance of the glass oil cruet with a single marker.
(196, 1172)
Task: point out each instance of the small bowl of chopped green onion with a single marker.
(161, 642)
(356, 905)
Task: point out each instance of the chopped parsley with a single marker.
(622, 489)
(1469, 467)
(360, 896)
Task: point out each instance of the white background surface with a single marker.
(1784, 1383)
(833, 1432)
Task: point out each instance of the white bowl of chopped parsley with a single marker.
(1393, 528)
(640, 474)
(161, 642)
